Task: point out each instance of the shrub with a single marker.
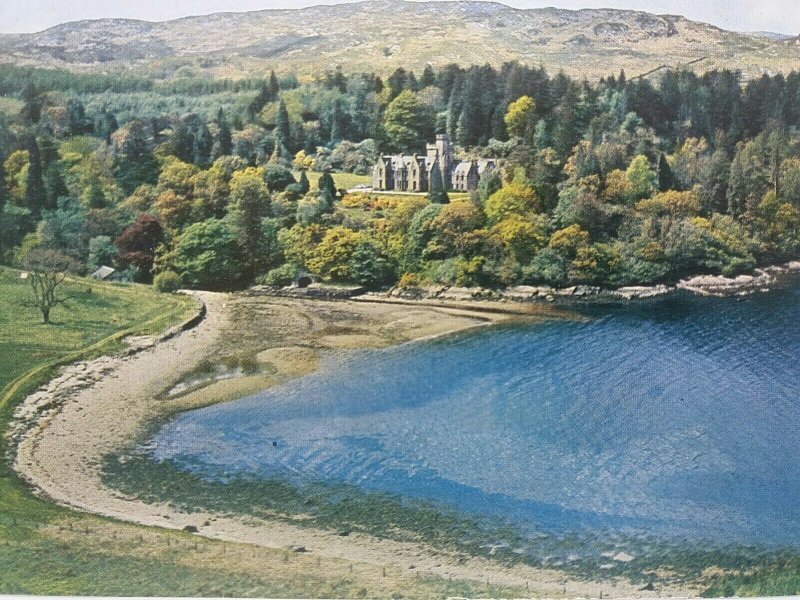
(409, 280)
(548, 266)
(280, 276)
(167, 282)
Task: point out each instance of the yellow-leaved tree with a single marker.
(520, 116)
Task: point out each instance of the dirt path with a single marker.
(61, 453)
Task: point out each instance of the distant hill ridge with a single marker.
(381, 35)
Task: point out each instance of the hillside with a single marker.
(381, 35)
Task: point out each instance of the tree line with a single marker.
(614, 182)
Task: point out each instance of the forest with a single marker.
(219, 184)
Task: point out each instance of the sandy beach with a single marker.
(96, 409)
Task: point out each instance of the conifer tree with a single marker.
(224, 146)
(48, 151)
(34, 191)
(267, 93)
(437, 193)
(304, 184)
(327, 186)
(106, 125)
(471, 120)
(203, 144)
(666, 180)
(454, 110)
(274, 88)
(283, 130)
(338, 124)
(428, 78)
(97, 198)
(54, 186)
(32, 105)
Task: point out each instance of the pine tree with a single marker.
(398, 82)
(437, 193)
(454, 110)
(183, 140)
(304, 184)
(224, 145)
(34, 191)
(76, 117)
(471, 120)
(106, 125)
(283, 130)
(274, 88)
(48, 151)
(203, 144)
(428, 78)
(97, 198)
(499, 124)
(567, 132)
(327, 187)
(32, 105)
(54, 187)
(666, 179)
(338, 123)
(268, 92)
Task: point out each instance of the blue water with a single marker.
(676, 419)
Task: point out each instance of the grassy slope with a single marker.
(94, 312)
(46, 549)
(342, 180)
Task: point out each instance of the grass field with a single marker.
(342, 180)
(348, 181)
(49, 550)
(94, 312)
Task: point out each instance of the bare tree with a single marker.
(47, 270)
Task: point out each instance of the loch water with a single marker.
(677, 418)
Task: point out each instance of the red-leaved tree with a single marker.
(137, 245)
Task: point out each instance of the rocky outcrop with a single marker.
(761, 280)
(315, 290)
(702, 285)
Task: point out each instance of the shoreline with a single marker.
(93, 409)
(760, 281)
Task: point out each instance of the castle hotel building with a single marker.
(413, 173)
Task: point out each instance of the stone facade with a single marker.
(412, 173)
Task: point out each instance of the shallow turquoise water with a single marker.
(674, 419)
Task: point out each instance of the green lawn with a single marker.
(94, 311)
(342, 180)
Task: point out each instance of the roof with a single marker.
(400, 160)
(103, 273)
(464, 167)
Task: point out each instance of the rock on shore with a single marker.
(703, 285)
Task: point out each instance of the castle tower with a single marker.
(441, 153)
(445, 156)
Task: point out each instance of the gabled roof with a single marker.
(464, 167)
